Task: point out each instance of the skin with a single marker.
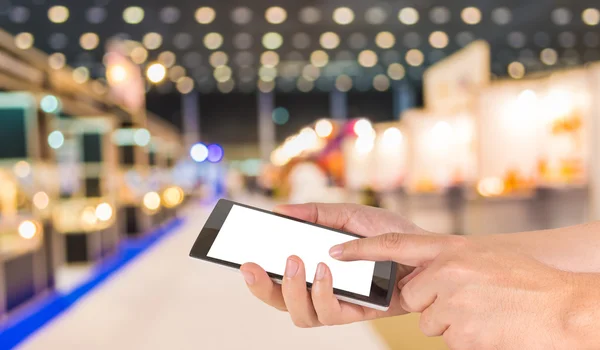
(479, 292)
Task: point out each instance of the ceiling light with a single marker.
(471, 15)
(89, 41)
(385, 40)
(58, 14)
(408, 16)
(205, 15)
(275, 15)
(367, 58)
(343, 15)
(133, 15)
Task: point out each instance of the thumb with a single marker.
(406, 249)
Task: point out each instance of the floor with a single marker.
(165, 300)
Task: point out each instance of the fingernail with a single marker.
(248, 277)
(336, 251)
(291, 268)
(320, 272)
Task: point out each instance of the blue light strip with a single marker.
(19, 328)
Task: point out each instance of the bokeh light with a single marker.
(28, 229)
(156, 72)
(213, 41)
(591, 16)
(56, 139)
(50, 104)
(104, 212)
(396, 71)
(205, 15)
(324, 128)
(385, 40)
(275, 15)
(272, 40)
(58, 14)
(142, 137)
(24, 40)
(152, 201)
(438, 39)
(215, 153)
(471, 15)
(57, 60)
(367, 58)
(133, 15)
(199, 152)
(414, 57)
(280, 116)
(329, 40)
(89, 41)
(408, 16)
(81, 75)
(41, 200)
(516, 70)
(152, 41)
(343, 83)
(343, 15)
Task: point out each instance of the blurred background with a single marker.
(122, 122)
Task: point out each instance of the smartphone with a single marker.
(235, 234)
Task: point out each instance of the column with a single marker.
(190, 118)
(266, 127)
(405, 98)
(338, 105)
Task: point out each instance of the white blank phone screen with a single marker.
(268, 240)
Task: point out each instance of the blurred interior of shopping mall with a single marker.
(122, 122)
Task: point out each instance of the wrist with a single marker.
(581, 311)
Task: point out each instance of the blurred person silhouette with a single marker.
(529, 290)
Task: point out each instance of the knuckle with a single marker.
(425, 325)
(408, 297)
(454, 269)
(327, 320)
(390, 241)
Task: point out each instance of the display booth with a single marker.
(441, 160)
(137, 203)
(388, 165)
(27, 194)
(87, 210)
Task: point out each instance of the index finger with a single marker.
(406, 249)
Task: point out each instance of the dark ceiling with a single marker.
(516, 30)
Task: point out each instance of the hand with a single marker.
(473, 295)
(319, 306)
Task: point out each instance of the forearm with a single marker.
(575, 248)
(582, 312)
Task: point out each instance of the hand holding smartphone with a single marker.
(235, 234)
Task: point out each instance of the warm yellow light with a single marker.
(176, 73)
(385, 40)
(308, 139)
(364, 145)
(88, 217)
(133, 15)
(516, 70)
(367, 58)
(205, 15)
(278, 157)
(104, 212)
(81, 75)
(222, 74)
(324, 128)
(471, 15)
(329, 40)
(28, 229)
(41, 200)
(267, 73)
(272, 40)
(89, 41)
(381, 82)
(185, 85)
(591, 17)
(151, 201)
(438, 39)
(343, 15)
(22, 169)
(408, 16)
(152, 41)
(156, 72)
(363, 128)
(213, 41)
(275, 15)
(173, 196)
(392, 137)
(396, 71)
(58, 14)
(305, 85)
(269, 59)
(218, 58)
(343, 83)
(116, 74)
(319, 58)
(57, 60)
(167, 59)
(139, 55)
(491, 186)
(24, 41)
(415, 57)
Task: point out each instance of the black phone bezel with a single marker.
(209, 232)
